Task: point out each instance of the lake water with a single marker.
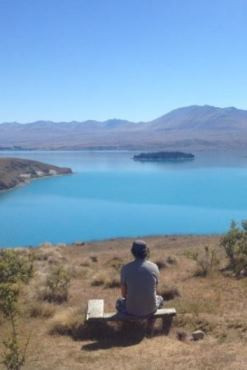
(110, 195)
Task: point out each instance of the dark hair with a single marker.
(140, 249)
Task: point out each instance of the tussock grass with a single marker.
(43, 310)
(115, 262)
(53, 285)
(67, 322)
(161, 263)
(171, 260)
(94, 258)
(86, 262)
(106, 279)
(168, 292)
(112, 282)
(99, 279)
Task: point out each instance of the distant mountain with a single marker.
(195, 127)
(202, 117)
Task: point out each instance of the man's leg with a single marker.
(150, 326)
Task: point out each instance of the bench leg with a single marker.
(150, 326)
(166, 325)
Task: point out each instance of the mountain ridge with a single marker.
(182, 127)
(119, 120)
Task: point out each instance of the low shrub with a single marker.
(106, 279)
(99, 279)
(235, 245)
(15, 267)
(57, 286)
(169, 292)
(86, 262)
(14, 356)
(94, 258)
(206, 261)
(8, 299)
(115, 262)
(112, 282)
(181, 335)
(171, 260)
(45, 310)
(161, 264)
(66, 322)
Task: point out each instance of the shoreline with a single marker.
(83, 243)
(22, 184)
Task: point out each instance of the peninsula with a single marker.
(16, 171)
(164, 157)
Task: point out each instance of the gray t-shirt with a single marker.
(141, 278)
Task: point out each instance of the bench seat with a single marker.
(95, 311)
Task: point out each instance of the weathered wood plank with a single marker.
(95, 309)
(163, 313)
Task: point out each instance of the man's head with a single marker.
(139, 249)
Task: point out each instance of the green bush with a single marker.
(57, 285)
(13, 357)
(8, 299)
(14, 267)
(235, 244)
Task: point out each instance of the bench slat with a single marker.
(163, 312)
(95, 309)
(115, 316)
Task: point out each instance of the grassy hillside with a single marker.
(53, 302)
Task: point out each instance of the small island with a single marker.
(164, 157)
(16, 171)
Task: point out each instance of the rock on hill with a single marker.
(16, 171)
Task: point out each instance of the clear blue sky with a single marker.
(130, 59)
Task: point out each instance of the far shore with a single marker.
(102, 243)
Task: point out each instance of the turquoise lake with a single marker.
(110, 195)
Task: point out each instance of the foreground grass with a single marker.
(60, 340)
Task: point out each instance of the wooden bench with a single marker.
(95, 312)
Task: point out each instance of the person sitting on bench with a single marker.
(139, 280)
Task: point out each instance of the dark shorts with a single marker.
(121, 304)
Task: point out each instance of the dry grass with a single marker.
(99, 279)
(106, 279)
(43, 310)
(168, 292)
(161, 264)
(66, 322)
(60, 340)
